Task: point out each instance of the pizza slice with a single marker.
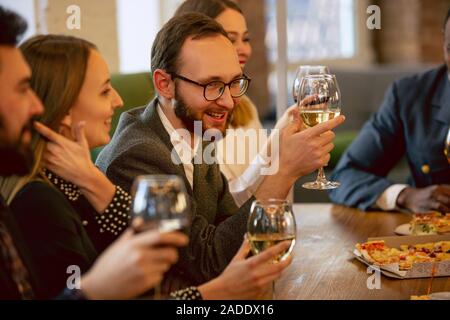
(430, 223)
(378, 253)
(423, 223)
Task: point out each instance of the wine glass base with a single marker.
(321, 185)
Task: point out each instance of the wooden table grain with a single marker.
(324, 266)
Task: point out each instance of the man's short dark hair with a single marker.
(12, 27)
(170, 39)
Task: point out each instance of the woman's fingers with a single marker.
(269, 269)
(80, 134)
(48, 133)
(271, 253)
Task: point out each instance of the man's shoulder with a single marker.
(423, 80)
(134, 131)
(130, 122)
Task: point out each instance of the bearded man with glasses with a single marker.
(198, 80)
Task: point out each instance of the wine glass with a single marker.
(319, 101)
(271, 222)
(303, 71)
(447, 146)
(160, 203)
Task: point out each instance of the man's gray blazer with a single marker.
(141, 145)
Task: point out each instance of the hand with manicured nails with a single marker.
(247, 278)
(132, 265)
(71, 160)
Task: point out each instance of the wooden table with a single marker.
(324, 267)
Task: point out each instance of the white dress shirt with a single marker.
(388, 199)
(181, 146)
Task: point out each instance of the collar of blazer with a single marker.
(152, 122)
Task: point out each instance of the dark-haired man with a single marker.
(197, 76)
(18, 104)
(413, 120)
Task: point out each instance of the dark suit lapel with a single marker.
(441, 99)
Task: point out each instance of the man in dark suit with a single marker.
(197, 76)
(18, 104)
(414, 121)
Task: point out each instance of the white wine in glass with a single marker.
(261, 242)
(312, 117)
(319, 101)
(271, 222)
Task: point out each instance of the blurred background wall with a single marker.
(329, 32)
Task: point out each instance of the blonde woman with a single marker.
(240, 157)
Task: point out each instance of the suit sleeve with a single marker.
(363, 168)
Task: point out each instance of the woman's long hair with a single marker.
(58, 65)
(242, 113)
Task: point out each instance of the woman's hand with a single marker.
(132, 265)
(247, 278)
(71, 160)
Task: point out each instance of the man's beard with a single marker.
(16, 158)
(188, 117)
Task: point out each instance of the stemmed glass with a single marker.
(319, 101)
(303, 71)
(271, 222)
(160, 203)
(447, 146)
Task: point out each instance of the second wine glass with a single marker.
(271, 222)
(319, 101)
(160, 203)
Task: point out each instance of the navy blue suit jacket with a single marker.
(413, 121)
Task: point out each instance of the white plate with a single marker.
(403, 230)
(440, 296)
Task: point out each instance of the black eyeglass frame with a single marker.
(204, 86)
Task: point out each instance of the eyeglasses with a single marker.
(214, 90)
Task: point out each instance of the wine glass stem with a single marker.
(321, 175)
(273, 290)
(157, 295)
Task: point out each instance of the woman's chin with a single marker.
(98, 144)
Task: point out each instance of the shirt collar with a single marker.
(176, 139)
